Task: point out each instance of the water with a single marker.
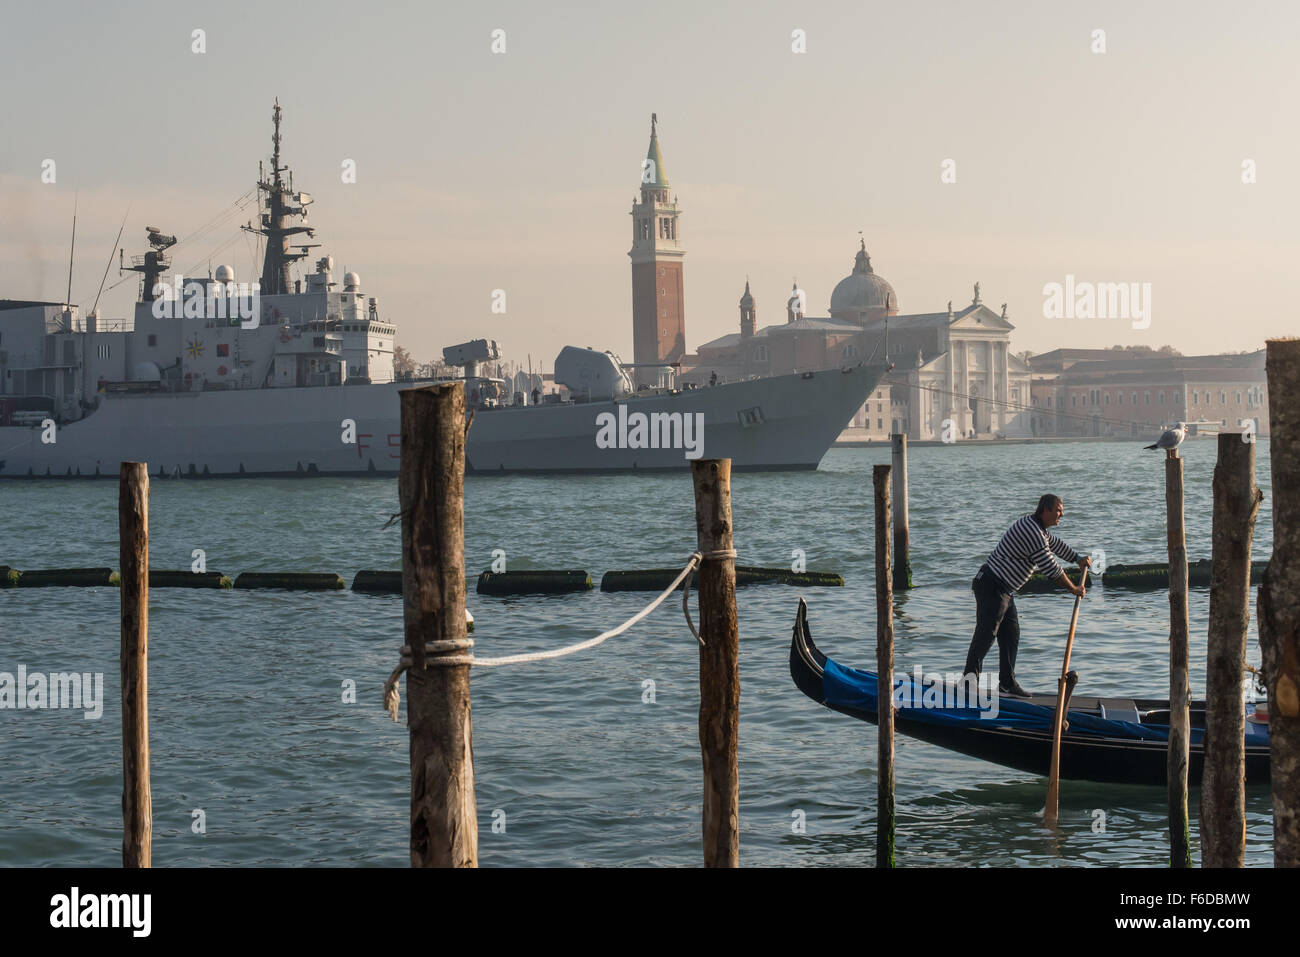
(248, 723)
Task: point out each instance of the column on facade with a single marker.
(966, 426)
(952, 381)
(1007, 413)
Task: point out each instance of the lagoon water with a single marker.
(249, 725)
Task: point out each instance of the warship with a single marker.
(212, 377)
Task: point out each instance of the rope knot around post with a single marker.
(443, 654)
(717, 554)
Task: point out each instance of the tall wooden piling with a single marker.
(1180, 853)
(902, 558)
(133, 547)
(885, 815)
(719, 663)
(1223, 783)
(1279, 600)
(431, 489)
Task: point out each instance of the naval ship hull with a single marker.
(782, 422)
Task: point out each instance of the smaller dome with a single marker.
(225, 274)
(351, 282)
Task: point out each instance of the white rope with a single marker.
(392, 698)
(721, 553)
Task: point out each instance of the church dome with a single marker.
(863, 296)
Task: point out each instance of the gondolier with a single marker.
(1026, 546)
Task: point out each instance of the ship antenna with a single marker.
(73, 248)
(117, 242)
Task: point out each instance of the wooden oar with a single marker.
(1063, 688)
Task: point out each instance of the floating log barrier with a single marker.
(85, 577)
(657, 579)
(538, 582)
(382, 582)
(378, 581)
(303, 581)
(1150, 576)
(166, 578)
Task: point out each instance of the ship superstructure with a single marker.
(283, 376)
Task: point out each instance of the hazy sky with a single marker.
(479, 171)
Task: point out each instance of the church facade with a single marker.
(954, 375)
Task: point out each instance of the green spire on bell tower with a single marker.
(654, 175)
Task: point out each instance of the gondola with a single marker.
(1109, 740)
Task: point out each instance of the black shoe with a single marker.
(1013, 689)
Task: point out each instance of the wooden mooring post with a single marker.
(885, 813)
(133, 548)
(1279, 600)
(1223, 782)
(1180, 852)
(719, 663)
(902, 557)
(431, 489)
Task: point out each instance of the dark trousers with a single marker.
(995, 617)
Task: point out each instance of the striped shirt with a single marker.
(1028, 545)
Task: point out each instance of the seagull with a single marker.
(1170, 441)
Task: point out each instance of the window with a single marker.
(1238, 398)
(153, 340)
(1223, 398)
(1073, 400)
(760, 353)
(1120, 397)
(1108, 398)
(1148, 398)
(880, 423)
(1135, 398)
(1178, 398)
(1162, 398)
(1194, 398)
(102, 351)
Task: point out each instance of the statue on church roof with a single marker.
(1004, 310)
(976, 300)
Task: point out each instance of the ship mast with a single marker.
(281, 202)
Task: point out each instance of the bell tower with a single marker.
(658, 303)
